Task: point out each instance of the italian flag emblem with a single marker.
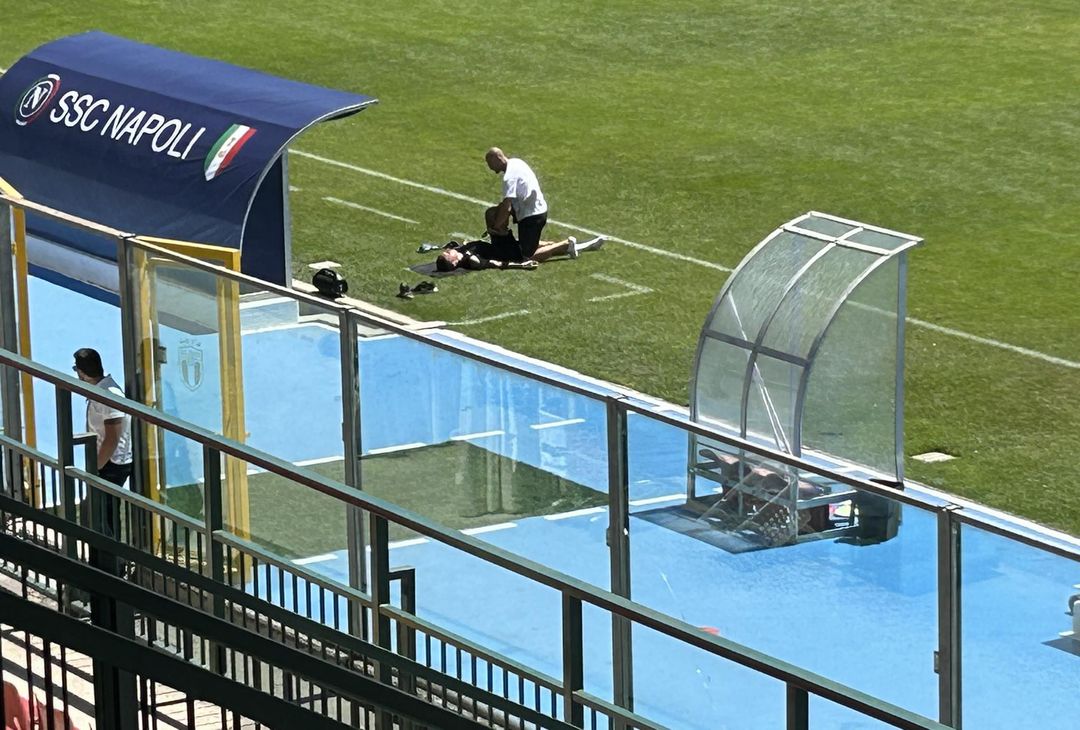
(225, 149)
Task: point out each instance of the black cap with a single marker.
(89, 361)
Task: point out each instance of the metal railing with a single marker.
(372, 616)
(182, 611)
(573, 700)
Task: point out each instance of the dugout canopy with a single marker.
(804, 347)
(157, 143)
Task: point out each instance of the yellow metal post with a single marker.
(22, 308)
(22, 304)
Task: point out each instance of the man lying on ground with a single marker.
(503, 252)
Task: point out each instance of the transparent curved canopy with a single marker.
(803, 348)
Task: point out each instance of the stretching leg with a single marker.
(547, 249)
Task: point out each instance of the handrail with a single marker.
(28, 451)
(601, 705)
(313, 629)
(227, 538)
(415, 622)
(1060, 549)
(567, 585)
(135, 498)
(299, 623)
(74, 220)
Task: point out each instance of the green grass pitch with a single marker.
(696, 128)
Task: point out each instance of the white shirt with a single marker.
(98, 413)
(522, 187)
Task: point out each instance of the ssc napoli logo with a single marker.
(36, 99)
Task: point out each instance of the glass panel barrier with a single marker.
(292, 377)
(477, 630)
(67, 313)
(176, 540)
(259, 366)
(827, 715)
(681, 686)
(1018, 671)
(518, 463)
(789, 564)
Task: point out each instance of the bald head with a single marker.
(495, 159)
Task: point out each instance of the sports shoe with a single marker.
(594, 244)
(571, 247)
(404, 292)
(425, 287)
(425, 247)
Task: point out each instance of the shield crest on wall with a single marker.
(191, 365)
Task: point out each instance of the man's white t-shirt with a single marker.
(522, 187)
(98, 413)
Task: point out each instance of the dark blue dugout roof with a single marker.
(151, 141)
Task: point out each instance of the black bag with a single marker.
(330, 283)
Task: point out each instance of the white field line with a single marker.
(996, 343)
(459, 234)
(480, 435)
(635, 289)
(656, 500)
(575, 513)
(689, 259)
(316, 559)
(972, 338)
(556, 424)
(492, 318)
(376, 211)
(489, 528)
(485, 203)
(322, 460)
(308, 462)
(1027, 352)
(408, 543)
(292, 326)
(399, 447)
(293, 189)
(269, 302)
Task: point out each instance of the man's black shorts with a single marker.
(529, 230)
(501, 248)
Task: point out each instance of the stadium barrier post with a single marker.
(141, 481)
(65, 457)
(9, 340)
(573, 660)
(798, 708)
(21, 266)
(947, 659)
(351, 433)
(215, 521)
(380, 598)
(115, 691)
(619, 549)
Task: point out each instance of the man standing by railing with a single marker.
(112, 427)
